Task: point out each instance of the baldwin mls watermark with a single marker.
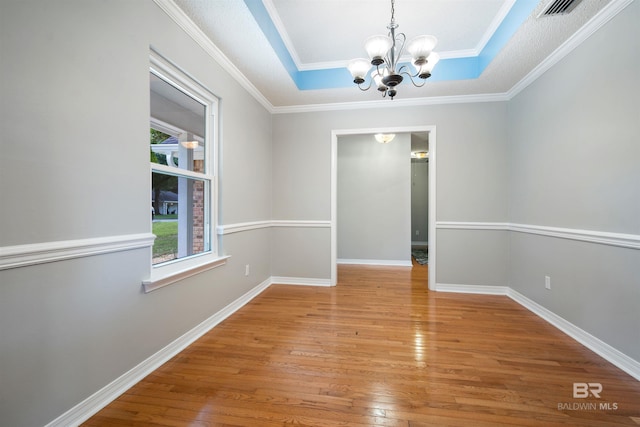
(587, 391)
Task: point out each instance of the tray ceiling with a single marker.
(293, 53)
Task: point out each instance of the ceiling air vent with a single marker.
(558, 7)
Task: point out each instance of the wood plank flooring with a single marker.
(379, 350)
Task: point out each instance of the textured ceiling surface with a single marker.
(321, 34)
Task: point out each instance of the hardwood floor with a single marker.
(379, 350)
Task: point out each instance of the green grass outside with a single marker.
(166, 238)
(172, 216)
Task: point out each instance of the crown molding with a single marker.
(385, 103)
(493, 27)
(594, 24)
(193, 31)
(284, 35)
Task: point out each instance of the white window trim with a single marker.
(176, 171)
(161, 276)
(173, 271)
(165, 127)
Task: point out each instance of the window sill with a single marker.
(161, 277)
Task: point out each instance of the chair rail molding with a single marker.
(630, 241)
(468, 225)
(256, 225)
(40, 253)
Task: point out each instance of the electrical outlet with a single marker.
(246, 270)
(417, 232)
(547, 282)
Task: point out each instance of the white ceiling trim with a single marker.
(386, 103)
(284, 35)
(493, 27)
(193, 31)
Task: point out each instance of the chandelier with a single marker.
(385, 52)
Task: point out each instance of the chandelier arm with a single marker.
(366, 88)
(380, 73)
(402, 38)
(404, 70)
(406, 73)
(394, 54)
(388, 59)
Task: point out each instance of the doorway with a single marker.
(420, 197)
(430, 132)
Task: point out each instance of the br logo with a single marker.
(584, 390)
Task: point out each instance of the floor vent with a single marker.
(558, 7)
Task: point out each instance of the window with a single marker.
(182, 151)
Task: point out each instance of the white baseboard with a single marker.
(617, 358)
(91, 405)
(604, 350)
(302, 281)
(471, 289)
(389, 262)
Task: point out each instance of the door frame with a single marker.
(335, 134)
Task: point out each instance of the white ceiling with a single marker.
(321, 34)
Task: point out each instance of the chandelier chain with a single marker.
(393, 12)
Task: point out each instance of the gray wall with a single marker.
(573, 163)
(74, 119)
(471, 154)
(374, 199)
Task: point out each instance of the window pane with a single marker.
(178, 127)
(179, 217)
